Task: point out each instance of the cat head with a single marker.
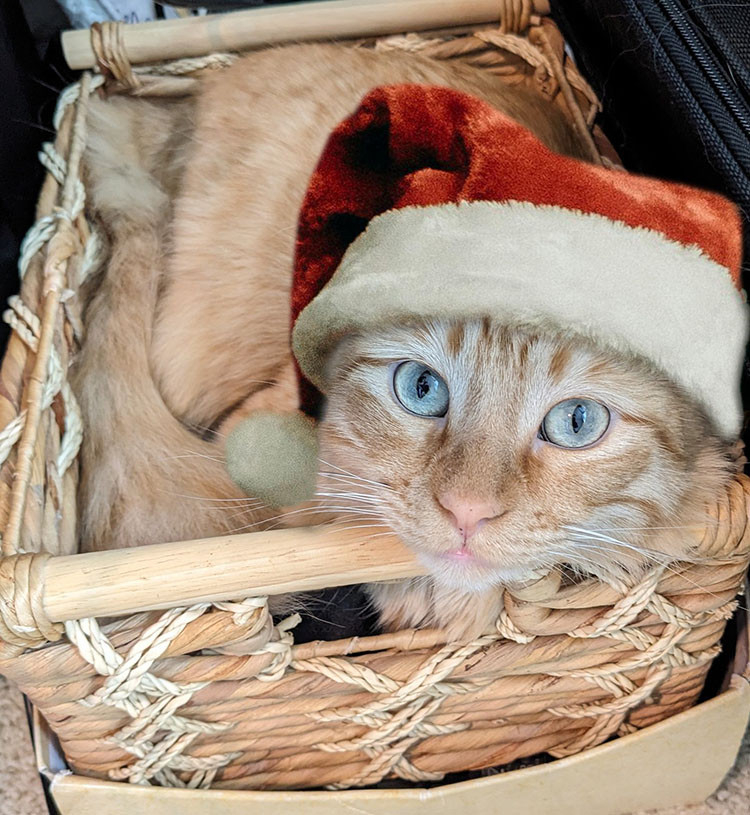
(498, 452)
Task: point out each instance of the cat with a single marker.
(187, 333)
(491, 478)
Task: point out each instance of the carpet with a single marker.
(20, 787)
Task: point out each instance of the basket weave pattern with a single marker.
(216, 695)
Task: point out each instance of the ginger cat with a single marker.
(187, 332)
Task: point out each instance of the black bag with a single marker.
(673, 77)
(674, 80)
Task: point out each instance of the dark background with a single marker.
(32, 74)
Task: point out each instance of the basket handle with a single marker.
(165, 575)
(333, 19)
(39, 588)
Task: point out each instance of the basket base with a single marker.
(681, 760)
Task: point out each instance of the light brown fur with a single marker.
(189, 329)
(145, 478)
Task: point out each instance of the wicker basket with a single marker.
(210, 692)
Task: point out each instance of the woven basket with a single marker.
(212, 693)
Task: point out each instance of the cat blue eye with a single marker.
(420, 390)
(575, 423)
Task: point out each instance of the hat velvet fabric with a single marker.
(428, 202)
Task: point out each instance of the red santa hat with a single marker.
(428, 201)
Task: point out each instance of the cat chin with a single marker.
(471, 578)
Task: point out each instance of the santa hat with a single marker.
(429, 202)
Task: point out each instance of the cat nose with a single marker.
(469, 514)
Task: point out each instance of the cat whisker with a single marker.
(354, 512)
(339, 524)
(191, 455)
(373, 536)
(365, 526)
(664, 561)
(240, 514)
(368, 495)
(359, 510)
(351, 487)
(322, 510)
(557, 568)
(223, 510)
(343, 508)
(587, 534)
(635, 556)
(236, 501)
(202, 428)
(353, 496)
(283, 515)
(593, 545)
(596, 535)
(712, 521)
(645, 552)
(649, 554)
(348, 476)
(353, 475)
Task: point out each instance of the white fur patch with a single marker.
(630, 288)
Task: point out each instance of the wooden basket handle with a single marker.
(124, 581)
(334, 19)
(38, 592)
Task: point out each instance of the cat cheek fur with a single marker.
(610, 510)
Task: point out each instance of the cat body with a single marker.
(188, 333)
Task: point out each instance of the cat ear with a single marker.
(274, 457)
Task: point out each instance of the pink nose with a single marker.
(469, 514)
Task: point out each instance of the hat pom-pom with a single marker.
(274, 457)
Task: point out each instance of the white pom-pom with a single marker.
(274, 457)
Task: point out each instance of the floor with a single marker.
(21, 793)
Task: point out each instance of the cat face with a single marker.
(500, 452)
